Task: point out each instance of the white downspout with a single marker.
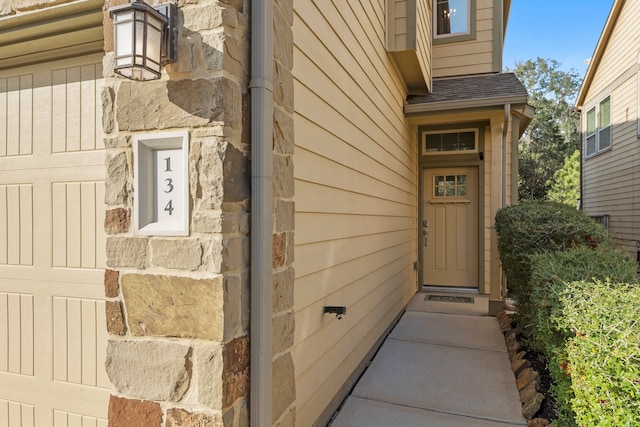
(261, 87)
(505, 132)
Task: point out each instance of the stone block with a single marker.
(286, 8)
(115, 318)
(206, 158)
(283, 329)
(162, 104)
(111, 285)
(120, 141)
(130, 412)
(201, 17)
(283, 87)
(236, 223)
(283, 385)
(208, 222)
(235, 376)
(518, 365)
(285, 215)
(118, 175)
(283, 290)
(6, 7)
(233, 306)
(283, 137)
(283, 184)
(117, 221)
(236, 253)
(107, 97)
(177, 417)
(151, 370)
(172, 306)
(127, 252)
(282, 38)
(237, 175)
(279, 250)
(526, 377)
(179, 254)
(209, 363)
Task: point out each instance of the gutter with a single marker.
(261, 89)
(463, 104)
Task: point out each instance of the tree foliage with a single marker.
(564, 186)
(553, 134)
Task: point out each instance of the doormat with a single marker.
(449, 298)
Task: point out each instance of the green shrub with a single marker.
(603, 352)
(540, 320)
(549, 274)
(536, 227)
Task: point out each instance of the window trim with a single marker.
(470, 34)
(453, 152)
(597, 129)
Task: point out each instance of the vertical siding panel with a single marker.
(74, 341)
(4, 413)
(60, 339)
(13, 227)
(74, 420)
(4, 225)
(27, 322)
(26, 115)
(4, 124)
(102, 337)
(88, 224)
(74, 226)
(15, 414)
(60, 419)
(59, 222)
(100, 241)
(59, 114)
(88, 107)
(14, 333)
(73, 121)
(89, 342)
(28, 416)
(98, 110)
(13, 117)
(26, 225)
(4, 334)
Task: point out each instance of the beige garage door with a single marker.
(52, 326)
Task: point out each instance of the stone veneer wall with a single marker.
(178, 307)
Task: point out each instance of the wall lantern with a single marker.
(145, 38)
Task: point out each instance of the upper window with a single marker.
(450, 142)
(598, 132)
(452, 17)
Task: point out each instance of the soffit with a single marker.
(56, 32)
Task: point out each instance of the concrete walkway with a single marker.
(445, 364)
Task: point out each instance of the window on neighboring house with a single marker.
(598, 132)
(452, 17)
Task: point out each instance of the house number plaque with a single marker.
(161, 184)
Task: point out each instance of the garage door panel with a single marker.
(16, 224)
(16, 414)
(52, 246)
(16, 113)
(78, 223)
(16, 333)
(76, 98)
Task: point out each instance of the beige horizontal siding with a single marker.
(356, 194)
(469, 57)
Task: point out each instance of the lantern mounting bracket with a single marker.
(170, 37)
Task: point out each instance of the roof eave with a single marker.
(430, 107)
(599, 51)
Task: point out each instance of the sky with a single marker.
(564, 30)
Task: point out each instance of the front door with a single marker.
(450, 227)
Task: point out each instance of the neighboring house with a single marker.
(610, 119)
(393, 140)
